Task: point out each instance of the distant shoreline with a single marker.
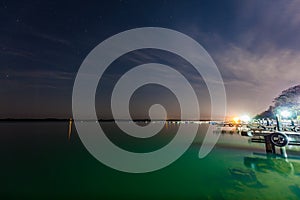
(100, 120)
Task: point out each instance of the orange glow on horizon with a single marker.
(236, 119)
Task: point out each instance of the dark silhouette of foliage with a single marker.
(288, 99)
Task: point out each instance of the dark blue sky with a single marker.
(255, 44)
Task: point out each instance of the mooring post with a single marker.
(283, 152)
(270, 147)
(279, 127)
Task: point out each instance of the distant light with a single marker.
(245, 118)
(285, 113)
(236, 119)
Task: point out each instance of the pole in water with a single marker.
(70, 128)
(278, 123)
(270, 147)
(283, 152)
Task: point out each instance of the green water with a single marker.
(38, 161)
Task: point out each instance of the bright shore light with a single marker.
(285, 113)
(236, 119)
(245, 118)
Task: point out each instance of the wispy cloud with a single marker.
(272, 67)
(37, 78)
(261, 56)
(49, 37)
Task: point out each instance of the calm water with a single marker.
(38, 161)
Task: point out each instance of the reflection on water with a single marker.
(38, 160)
(295, 189)
(272, 177)
(246, 177)
(70, 128)
(279, 165)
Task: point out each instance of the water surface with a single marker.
(38, 161)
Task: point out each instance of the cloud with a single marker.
(259, 25)
(259, 54)
(36, 78)
(42, 74)
(256, 78)
(15, 52)
(48, 37)
(274, 67)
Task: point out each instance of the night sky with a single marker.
(255, 44)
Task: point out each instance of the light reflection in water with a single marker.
(70, 128)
